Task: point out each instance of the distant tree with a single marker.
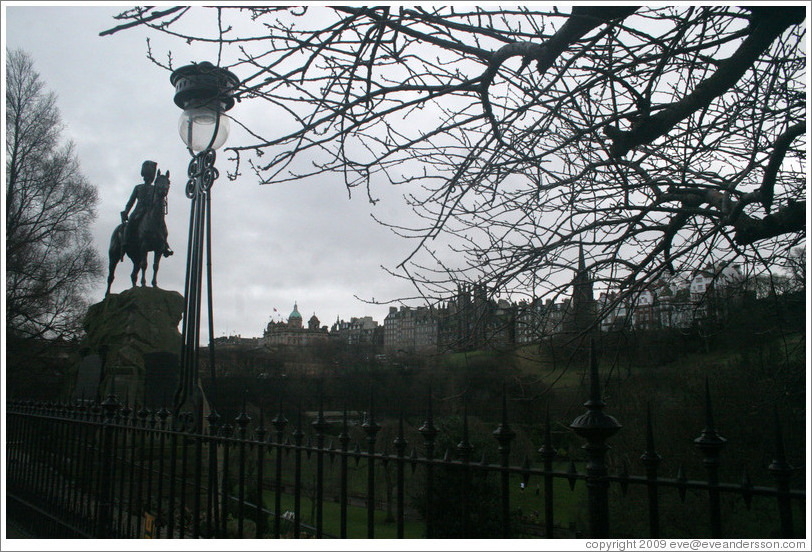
(660, 138)
(50, 260)
(797, 268)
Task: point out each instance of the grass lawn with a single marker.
(569, 506)
(356, 519)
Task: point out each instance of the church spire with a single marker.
(582, 304)
(581, 261)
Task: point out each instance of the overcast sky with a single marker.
(272, 245)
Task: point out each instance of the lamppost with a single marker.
(205, 93)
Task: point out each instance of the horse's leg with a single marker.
(111, 272)
(156, 262)
(134, 274)
(144, 269)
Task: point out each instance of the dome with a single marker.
(295, 313)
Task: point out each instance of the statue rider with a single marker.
(144, 195)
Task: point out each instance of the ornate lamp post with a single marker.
(205, 93)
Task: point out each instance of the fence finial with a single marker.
(650, 458)
(709, 442)
(260, 431)
(594, 379)
(400, 441)
(779, 462)
(243, 419)
(428, 430)
(504, 433)
(279, 422)
(213, 418)
(299, 419)
(369, 426)
(320, 424)
(596, 427)
(464, 447)
(547, 450)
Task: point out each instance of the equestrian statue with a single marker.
(144, 229)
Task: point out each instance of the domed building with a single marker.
(295, 319)
(293, 332)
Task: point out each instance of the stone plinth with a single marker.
(125, 326)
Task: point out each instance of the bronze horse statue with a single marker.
(150, 235)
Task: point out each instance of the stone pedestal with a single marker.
(125, 326)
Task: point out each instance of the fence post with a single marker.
(344, 439)
(504, 435)
(298, 437)
(400, 448)
(242, 422)
(163, 414)
(429, 433)
(227, 431)
(259, 437)
(371, 428)
(651, 460)
(320, 425)
(710, 444)
(142, 425)
(548, 453)
(279, 423)
(104, 502)
(465, 449)
(781, 471)
(596, 427)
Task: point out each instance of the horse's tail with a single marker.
(115, 251)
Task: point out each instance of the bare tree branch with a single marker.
(652, 135)
(142, 20)
(766, 26)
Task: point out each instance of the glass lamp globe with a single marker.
(197, 126)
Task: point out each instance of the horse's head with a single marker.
(162, 184)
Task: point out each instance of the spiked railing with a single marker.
(710, 444)
(651, 460)
(371, 429)
(548, 454)
(504, 435)
(596, 427)
(429, 433)
(91, 470)
(320, 425)
(400, 448)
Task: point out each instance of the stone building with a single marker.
(293, 333)
(410, 330)
(358, 331)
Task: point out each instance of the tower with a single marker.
(295, 319)
(582, 310)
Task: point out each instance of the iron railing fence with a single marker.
(92, 470)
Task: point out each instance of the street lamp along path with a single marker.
(205, 93)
